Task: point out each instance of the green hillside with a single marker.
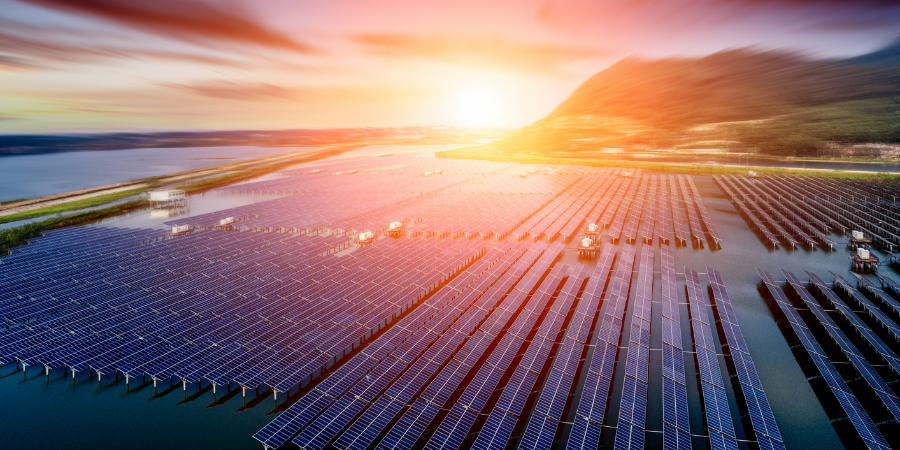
(768, 102)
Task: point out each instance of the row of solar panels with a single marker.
(809, 221)
(767, 216)
(704, 214)
(758, 216)
(658, 207)
(40, 283)
(862, 421)
(877, 219)
(499, 366)
(573, 206)
(60, 277)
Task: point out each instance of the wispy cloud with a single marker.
(481, 51)
(262, 92)
(232, 90)
(194, 21)
(40, 53)
(578, 14)
(853, 24)
(8, 62)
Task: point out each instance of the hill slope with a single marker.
(774, 102)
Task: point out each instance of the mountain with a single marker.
(772, 102)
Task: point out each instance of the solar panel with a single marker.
(861, 421)
(591, 404)
(718, 414)
(868, 306)
(890, 400)
(437, 391)
(633, 406)
(761, 416)
(275, 434)
(676, 425)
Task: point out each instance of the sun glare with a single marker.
(477, 105)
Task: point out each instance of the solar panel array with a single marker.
(492, 202)
(423, 341)
(704, 214)
(687, 202)
(862, 422)
(466, 201)
(554, 394)
(875, 312)
(458, 305)
(874, 289)
(252, 310)
(437, 394)
(888, 397)
(886, 353)
(811, 207)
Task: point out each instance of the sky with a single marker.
(125, 65)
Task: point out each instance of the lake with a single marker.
(31, 176)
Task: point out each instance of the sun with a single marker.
(477, 105)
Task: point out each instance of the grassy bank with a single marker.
(16, 236)
(72, 206)
(688, 169)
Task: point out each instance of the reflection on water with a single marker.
(196, 205)
(169, 213)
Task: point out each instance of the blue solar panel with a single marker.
(479, 390)
(633, 405)
(540, 433)
(496, 431)
(718, 414)
(890, 400)
(453, 429)
(592, 403)
(861, 421)
(275, 434)
(450, 377)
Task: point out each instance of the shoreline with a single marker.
(149, 181)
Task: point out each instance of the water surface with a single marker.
(31, 176)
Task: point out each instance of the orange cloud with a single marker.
(230, 90)
(475, 51)
(267, 92)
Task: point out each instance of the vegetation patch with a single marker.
(16, 236)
